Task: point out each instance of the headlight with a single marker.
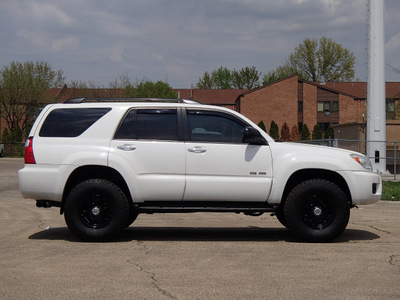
(362, 160)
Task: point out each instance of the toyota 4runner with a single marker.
(104, 161)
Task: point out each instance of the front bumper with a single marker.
(365, 187)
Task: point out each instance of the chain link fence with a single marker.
(392, 156)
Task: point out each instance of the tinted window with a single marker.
(70, 122)
(215, 127)
(150, 124)
(127, 130)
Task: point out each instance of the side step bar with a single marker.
(176, 207)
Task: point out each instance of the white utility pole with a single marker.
(376, 96)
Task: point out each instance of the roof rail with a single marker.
(86, 100)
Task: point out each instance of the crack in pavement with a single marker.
(373, 227)
(146, 251)
(153, 279)
(394, 260)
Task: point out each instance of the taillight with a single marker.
(29, 157)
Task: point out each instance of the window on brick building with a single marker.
(390, 109)
(335, 106)
(300, 106)
(323, 106)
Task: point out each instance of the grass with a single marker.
(391, 191)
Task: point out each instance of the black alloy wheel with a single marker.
(317, 210)
(96, 210)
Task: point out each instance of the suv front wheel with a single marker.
(96, 210)
(317, 210)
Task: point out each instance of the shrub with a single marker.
(330, 133)
(305, 133)
(285, 132)
(274, 130)
(262, 126)
(317, 133)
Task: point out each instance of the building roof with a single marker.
(359, 89)
(215, 97)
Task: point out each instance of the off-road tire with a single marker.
(96, 210)
(317, 210)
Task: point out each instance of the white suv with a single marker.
(104, 161)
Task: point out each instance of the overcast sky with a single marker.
(178, 40)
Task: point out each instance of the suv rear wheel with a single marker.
(96, 210)
(317, 210)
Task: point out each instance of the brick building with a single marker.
(298, 102)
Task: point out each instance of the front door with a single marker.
(219, 166)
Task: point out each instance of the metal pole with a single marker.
(376, 99)
(395, 161)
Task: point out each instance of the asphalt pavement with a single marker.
(193, 256)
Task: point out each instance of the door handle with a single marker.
(127, 147)
(197, 149)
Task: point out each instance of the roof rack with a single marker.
(86, 100)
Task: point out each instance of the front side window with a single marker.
(150, 124)
(70, 122)
(214, 127)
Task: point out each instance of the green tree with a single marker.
(323, 59)
(223, 78)
(246, 78)
(205, 82)
(149, 89)
(305, 133)
(22, 86)
(317, 133)
(6, 136)
(330, 133)
(274, 130)
(262, 126)
(285, 132)
(280, 72)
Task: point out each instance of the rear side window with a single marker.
(70, 122)
(150, 124)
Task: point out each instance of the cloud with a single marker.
(48, 12)
(116, 54)
(68, 43)
(37, 38)
(180, 39)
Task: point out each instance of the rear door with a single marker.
(149, 148)
(219, 166)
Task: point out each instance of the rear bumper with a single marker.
(40, 182)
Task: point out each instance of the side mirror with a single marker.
(253, 137)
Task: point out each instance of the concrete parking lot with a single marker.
(193, 256)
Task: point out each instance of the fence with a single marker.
(392, 156)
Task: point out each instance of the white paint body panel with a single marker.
(168, 171)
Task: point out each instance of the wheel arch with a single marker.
(91, 172)
(307, 174)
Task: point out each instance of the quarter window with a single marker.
(214, 127)
(70, 122)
